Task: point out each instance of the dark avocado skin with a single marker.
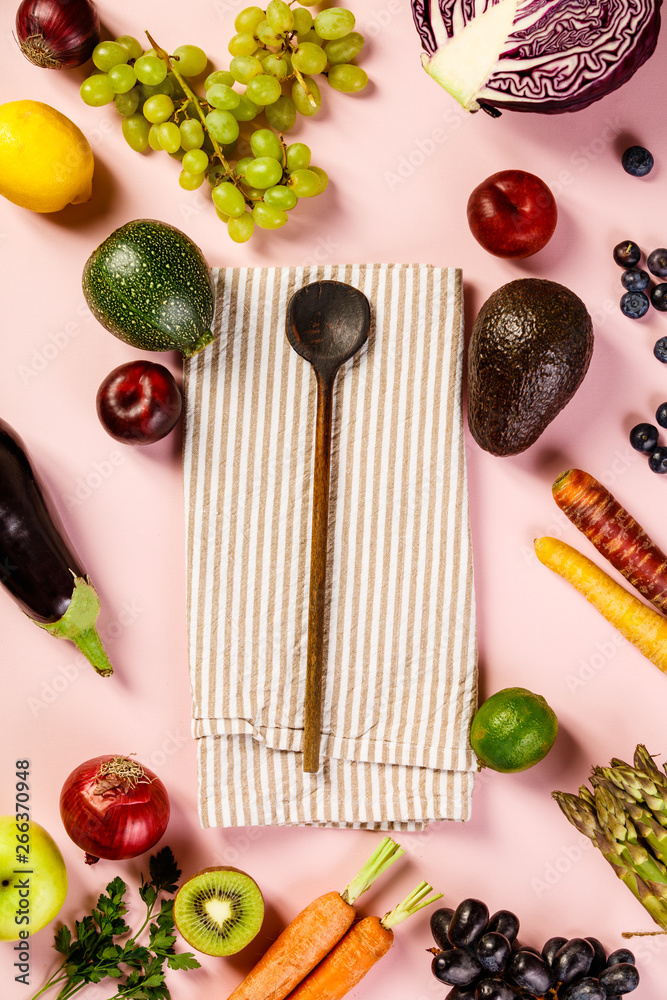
(530, 348)
(150, 286)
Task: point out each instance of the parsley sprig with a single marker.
(95, 951)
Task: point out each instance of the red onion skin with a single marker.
(113, 826)
(57, 34)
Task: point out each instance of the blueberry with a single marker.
(637, 161)
(635, 280)
(661, 417)
(634, 304)
(644, 437)
(657, 262)
(659, 296)
(657, 460)
(660, 350)
(627, 254)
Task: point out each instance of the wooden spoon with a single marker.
(327, 322)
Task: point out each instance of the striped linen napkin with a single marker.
(400, 647)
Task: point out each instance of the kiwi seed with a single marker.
(219, 910)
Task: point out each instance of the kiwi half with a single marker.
(219, 910)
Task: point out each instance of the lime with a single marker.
(45, 160)
(513, 730)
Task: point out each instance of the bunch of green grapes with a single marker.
(277, 52)
(275, 55)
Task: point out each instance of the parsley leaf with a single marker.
(161, 941)
(93, 951)
(182, 961)
(63, 940)
(165, 873)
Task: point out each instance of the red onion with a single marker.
(114, 808)
(57, 34)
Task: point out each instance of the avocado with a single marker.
(530, 348)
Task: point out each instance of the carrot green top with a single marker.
(413, 902)
(384, 855)
(560, 480)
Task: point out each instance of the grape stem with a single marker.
(631, 934)
(161, 54)
(296, 73)
(299, 76)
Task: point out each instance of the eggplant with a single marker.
(38, 564)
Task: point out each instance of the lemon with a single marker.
(45, 160)
(513, 730)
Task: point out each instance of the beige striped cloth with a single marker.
(400, 646)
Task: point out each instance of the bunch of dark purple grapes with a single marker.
(481, 958)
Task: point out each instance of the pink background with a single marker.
(403, 159)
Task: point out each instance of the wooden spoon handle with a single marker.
(318, 575)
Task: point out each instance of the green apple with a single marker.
(31, 891)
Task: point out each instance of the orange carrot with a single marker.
(367, 941)
(640, 625)
(592, 508)
(312, 934)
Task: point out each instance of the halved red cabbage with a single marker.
(534, 55)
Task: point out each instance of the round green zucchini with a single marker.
(149, 285)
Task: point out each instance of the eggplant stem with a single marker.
(78, 625)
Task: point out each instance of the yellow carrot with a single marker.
(639, 624)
